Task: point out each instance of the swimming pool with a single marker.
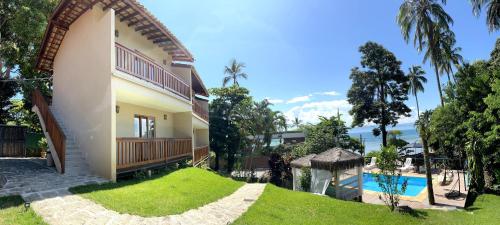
(415, 184)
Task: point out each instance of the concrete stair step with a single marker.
(77, 168)
(72, 148)
(74, 153)
(74, 160)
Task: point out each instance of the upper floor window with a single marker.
(144, 126)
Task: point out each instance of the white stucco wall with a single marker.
(135, 91)
(201, 137)
(183, 125)
(125, 120)
(82, 87)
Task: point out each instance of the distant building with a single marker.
(292, 137)
(289, 137)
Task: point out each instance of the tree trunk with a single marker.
(439, 85)
(383, 122)
(449, 79)
(418, 109)
(430, 189)
(384, 134)
(230, 162)
(216, 167)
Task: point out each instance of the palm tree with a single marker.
(493, 12)
(425, 19)
(280, 124)
(297, 122)
(417, 79)
(234, 71)
(423, 129)
(450, 54)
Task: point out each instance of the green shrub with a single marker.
(280, 170)
(388, 178)
(369, 155)
(33, 144)
(305, 179)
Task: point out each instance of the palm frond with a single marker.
(226, 80)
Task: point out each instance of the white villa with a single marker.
(125, 92)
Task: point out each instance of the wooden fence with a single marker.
(12, 141)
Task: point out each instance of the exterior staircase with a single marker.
(75, 162)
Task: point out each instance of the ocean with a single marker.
(408, 133)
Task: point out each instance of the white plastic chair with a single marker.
(372, 164)
(407, 166)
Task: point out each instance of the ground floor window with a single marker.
(144, 126)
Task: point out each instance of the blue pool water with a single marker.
(415, 184)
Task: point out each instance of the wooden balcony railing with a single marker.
(200, 153)
(199, 109)
(136, 64)
(136, 152)
(51, 126)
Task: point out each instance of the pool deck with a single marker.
(420, 201)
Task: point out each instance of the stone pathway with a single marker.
(31, 179)
(73, 209)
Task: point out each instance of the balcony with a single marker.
(200, 108)
(136, 64)
(134, 153)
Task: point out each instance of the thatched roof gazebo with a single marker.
(337, 166)
(297, 165)
(303, 162)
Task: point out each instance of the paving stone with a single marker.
(73, 209)
(48, 192)
(31, 178)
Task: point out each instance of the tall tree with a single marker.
(225, 133)
(425, 19)
(328, 133)
(492, 13)
(234, 72)
(260, 122)
(281, 124)
(22, 25)
(450, 55)
(378, 92)
(417, 79)
(423, 127)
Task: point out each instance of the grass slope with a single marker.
(169, 194)
(12, 212)
(281, 206)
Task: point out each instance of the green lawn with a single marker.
(173, 193)
(12, 211)
(281, 206)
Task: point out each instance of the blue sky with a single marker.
(299, 53)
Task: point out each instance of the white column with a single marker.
(360, 180)
(337, 184)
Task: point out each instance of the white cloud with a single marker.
(304, 98)
(274, 101)
(411, 119)
(310, 112)
(330, 93)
